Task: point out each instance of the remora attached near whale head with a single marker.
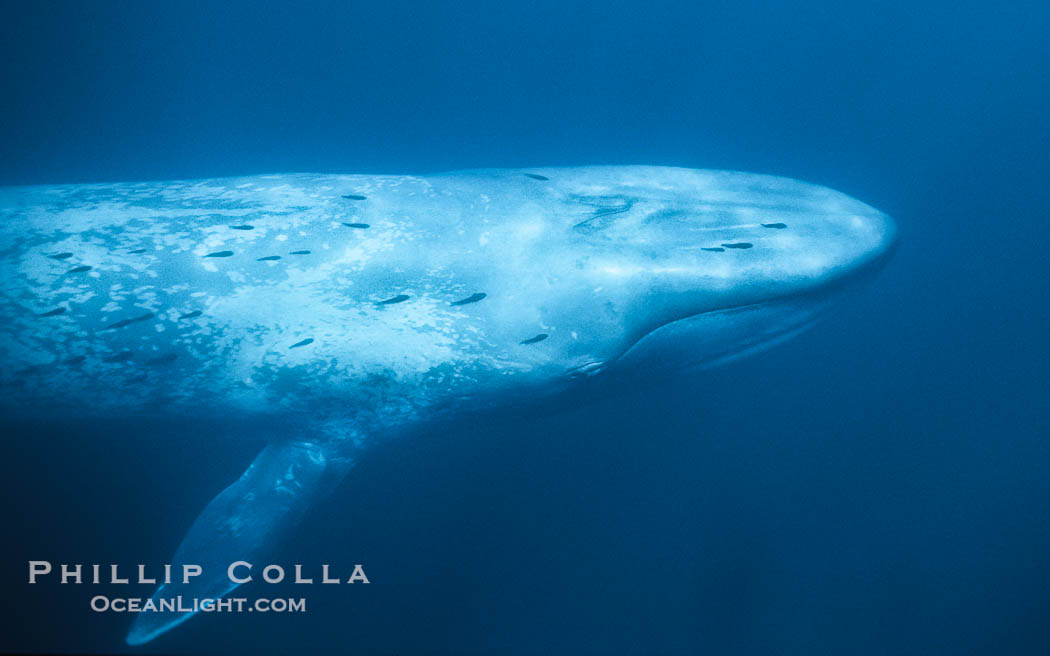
(350, 307)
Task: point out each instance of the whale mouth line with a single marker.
(681, 321)
(846, 281)
(816, 299)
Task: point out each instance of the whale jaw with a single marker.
(716, 337)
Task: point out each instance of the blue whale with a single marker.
(343, 310)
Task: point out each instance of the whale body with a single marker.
(346, 309)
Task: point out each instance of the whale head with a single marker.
(673, 269)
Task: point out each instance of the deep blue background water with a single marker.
(878, 485)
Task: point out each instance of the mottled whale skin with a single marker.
(350, 308)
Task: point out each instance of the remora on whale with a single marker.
(347, 308)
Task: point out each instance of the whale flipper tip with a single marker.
(243, 522)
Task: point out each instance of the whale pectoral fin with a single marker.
(244, 522)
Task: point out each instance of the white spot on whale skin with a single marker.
(281, 238)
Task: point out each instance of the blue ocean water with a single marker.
(878, 485)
